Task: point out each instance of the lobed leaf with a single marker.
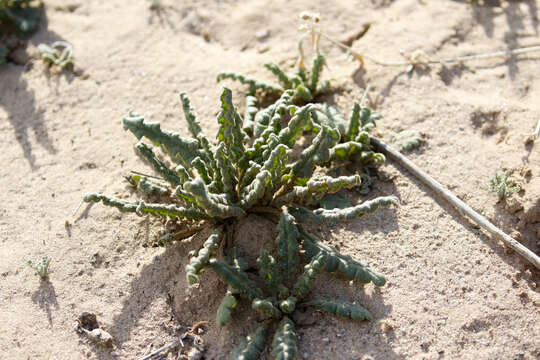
(284, 344)
(181, 150)
(287, 246)
(283, 78)
(344, 265)
(212, 204)
(252, 346)
(266, 307)
(159, 166)
(268, 270)
(357, 211)
(305, 281)
(225, 308)
(236, 278)
(198, 262)
(342, 308)
(140, 208)
(254, 84)
(317, 188)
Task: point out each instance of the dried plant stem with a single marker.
(462, 208)
(161, 349)
(494, 54)
(537, 131)
(422, 60)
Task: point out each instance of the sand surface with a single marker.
(453, 292)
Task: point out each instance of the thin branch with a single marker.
(462, 208)
(163, 348)
(313, 28)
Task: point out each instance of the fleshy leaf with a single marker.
(284, 344)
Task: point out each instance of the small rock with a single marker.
(513, 205)
(194, 354)
(88, 321)
(100, 336)
(386, 327)
(262, 48)
(19, 56)
(262, 34)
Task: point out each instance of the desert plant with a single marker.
(41, 268)
(217, 185)
(501, 186)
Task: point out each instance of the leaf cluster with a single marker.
(41, 268)
(59, 53)
(304, 83)
(239, 174)
(279, 288)
(502, 186)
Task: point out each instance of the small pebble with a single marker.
(262, 34)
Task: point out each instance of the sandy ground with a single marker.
(453, 292)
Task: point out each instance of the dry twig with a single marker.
(462, 208)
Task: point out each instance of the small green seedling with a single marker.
(501, 186)
(59, 53)
(41, 268)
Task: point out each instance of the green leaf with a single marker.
(265, 307)
(254, 84)
(268, 270)
(284, 344)
(230, 130)
(305, 281)
(252, 346)
(281, 75)
(214, 205)
(225, 308)
(338, 263)
(342, 308)
(236, 278)
(330, 116)
(316, 69)
(140, 208)
(357, 211)
(181, 150)
(287, 246)
(200, 261)
(159, 166)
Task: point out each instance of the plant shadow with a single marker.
(19, 102)
(485, 12)
(45, 298)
